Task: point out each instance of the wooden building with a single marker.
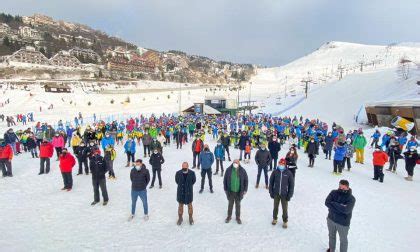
(56, 88)
(382, 113)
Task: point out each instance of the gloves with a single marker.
(288, 198)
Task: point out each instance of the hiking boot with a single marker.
(266, 187)
(179, 222)
(409, 178)
(238, 220)
(160, 187)
(215, 173)
(274, 222)
(150, 187)
(128, 164)
(211, 190)
(228, 219)
(284, 225)
(105, 203)
(256, 186)
(94, 203)
(201, 191)
(146, 217)
(191, 220)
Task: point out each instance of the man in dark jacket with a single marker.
(235, 184)
(274, 148)
(225, 140)
(312, 150)
(262, 159)
(411, 158)
(340, 205)
(82, 158)
(197, 147)
(281, 189)
(156, 160)
(185, 179)
(329, 143)
(140, 178)
(98, 169)
(206, 159)
(242, 143)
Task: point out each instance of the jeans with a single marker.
(34, 152)
(130, 157)
(67, 179)
(99, 183)
(44, 162)
(219, 162)
(260, 169)
(234, 198)
(343, 231)
(158, 171)
(338, 166)
(143, 197)
(328, 154)
(284, 204)
(205, 172)
(273, 160)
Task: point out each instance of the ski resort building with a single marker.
(384, 113)
(65, 59)
(56, 88)
(28, 55)
(87, 53)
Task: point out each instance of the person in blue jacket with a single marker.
(219, 154)
(329, 143)
(206, 160)
(339, 154)
(130, 150)
(412, 143)
(375, 138)
(107, 140)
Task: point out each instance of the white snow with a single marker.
(37, 216)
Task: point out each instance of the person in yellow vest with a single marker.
(109, 157)
(75, 141)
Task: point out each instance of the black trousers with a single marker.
(311, 159)
(219, 162)
(328, 154)
(158, 171)
(45, 165)
(378, 173)
(284, 204)
(410, 170)
(227, 150)
(6, 167)
(260, 169)
(293, 171)
(146, 148)
(99, 183)
(83, 162)
(195, 157)
(273, 160)
(67, 179)
(234, 198)
(130, 157)
(393, 163)
(58, 150)
(338, 166)
(207, 172)
(348, 161)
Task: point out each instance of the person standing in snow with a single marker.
(263, 160)
(6, 156)
(130, 150)
(140, 178)
(156, 160)
(339, 154)
(147, 140)
(394, 153)
(274, 148)
(98, 170)
(291, 161)
(206, 159)
(197, 147)
(359, 144)
(219, 154)
(312, 149)
(109, 156)
(340, 205)
(411, 160)
(282, 184)
(225, 140)
(67, 163)
(235, 184)
(379, 160)
(329, 143)
(58, 143)
(46, 151)
(375, 138)
(185, 179)
(349, 154)
(81, 153)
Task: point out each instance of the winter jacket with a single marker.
(219, 152)
(243, 180)
(75, 140)
(82, 152)
(97, 167)
(147, 139)
(291, 162)
(274, 148)
(6, 152)
(359, 142)
(156, 161)
(339, 153)
(329, 143)
(30, 143)
(89, 136)
(46, 150)
(155, 145)
(411, 158)
(130, 146)
(198, 148)
(312, 148)
(206, 159)
(10, 137)
(185, 184)
(67, 162)
(107, 141)
(262, 158)
(281, 183)
(379, 158)
(242, 142)
(225, 140)
(340, 206)
(139, 178)
(349, 150)
(58, 142)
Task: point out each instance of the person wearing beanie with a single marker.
(340, 204)
(6, 156)
(98, 170)
(379, 160)
(281, 188)
(411, 160)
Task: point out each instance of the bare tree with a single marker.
(404, 68)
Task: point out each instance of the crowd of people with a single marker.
(92, 149)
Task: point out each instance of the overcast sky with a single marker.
(266, 32)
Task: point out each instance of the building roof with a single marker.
(215, 98)
(396, 103)
(207, 110)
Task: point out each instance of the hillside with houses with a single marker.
(38, 47)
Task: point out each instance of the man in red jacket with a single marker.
(46, 151)
(6, 155)
(67, 163)
(379, 160)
